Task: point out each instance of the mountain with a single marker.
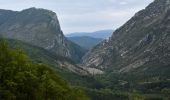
(140, 46)
(85, 41)
(103, 34)
(41, 28)
(40, 55)
(134, 61)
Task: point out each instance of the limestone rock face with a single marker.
(38, 27)
(141, 44)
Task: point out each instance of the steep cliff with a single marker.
(142, 44)
(38, 27)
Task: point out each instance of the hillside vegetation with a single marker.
(22, 80)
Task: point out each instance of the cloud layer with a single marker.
(84, 15)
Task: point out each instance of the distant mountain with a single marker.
(41, 28)
(103, 34)
(85, 41)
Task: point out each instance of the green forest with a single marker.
(22, 80)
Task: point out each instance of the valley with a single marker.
(129, 63)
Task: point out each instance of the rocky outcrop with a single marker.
(141, 44)
(38, 27)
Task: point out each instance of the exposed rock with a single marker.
(94, 71)
(41, 28)
(139, 45)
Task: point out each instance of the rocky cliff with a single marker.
(141, 44)
(38, 27)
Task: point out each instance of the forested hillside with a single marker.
(37, 62)
(22, 80)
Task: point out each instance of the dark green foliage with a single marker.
(21, 80)
(101, 87)
(106, 94)
(39, 55)
(130, 87)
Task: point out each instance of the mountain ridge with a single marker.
(85, 41)
(38, 27)
(137, 45)
(97, 34)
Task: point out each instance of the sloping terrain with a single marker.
(40, 55)
(140, 45)
(41, 28)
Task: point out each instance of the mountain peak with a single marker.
(39, 27)
(37, 9)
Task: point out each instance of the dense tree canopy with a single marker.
(22, 80)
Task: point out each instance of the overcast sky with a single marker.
(84, 15)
